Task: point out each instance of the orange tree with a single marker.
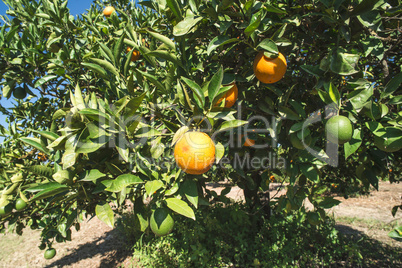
(91, 128)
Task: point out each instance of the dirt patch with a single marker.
(97, 245)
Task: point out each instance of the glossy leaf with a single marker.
(181, 207)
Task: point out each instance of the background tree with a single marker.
(94, 126)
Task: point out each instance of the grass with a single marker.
(370, 223)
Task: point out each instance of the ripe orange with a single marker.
(195, 152)
(230, 96)
(136, 54)
(248, 142)
(108, 11)
(269, 70)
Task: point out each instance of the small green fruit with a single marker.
(339, 129)
(20, 204)
(297, 143)
(50, 253)
(5, 210)
(19, 93)
(161, 222)
(42, 246)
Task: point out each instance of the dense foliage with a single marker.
(96, 128)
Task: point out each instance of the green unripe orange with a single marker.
(20, 204)
(339, 129)
(19, 93)
(5, 210)
(50, 253)
(297, 143)
(161, 222)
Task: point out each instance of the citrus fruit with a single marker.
(313, 218)
(230, 96)
(248, 142)
(195, 152)
(339, 129)
(50, 253)
(5, 210)
(20, 204)
(297, 143)
(136, 54)
(269, 70)
(108, 11)
(161, 222)
(19, 93)
(42, 246)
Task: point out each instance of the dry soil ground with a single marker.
(97, 245)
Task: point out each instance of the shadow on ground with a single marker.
(110, 244)
(374, 253)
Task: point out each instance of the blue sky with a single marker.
(76, 7)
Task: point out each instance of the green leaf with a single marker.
(152, 186)
(133, 105)
(36, 143)
(395, 100)
(153, 79)
(47, 134)
(268, 45)
(44, 79)
(272, 9)
(106, 65)
(40, 170)
(49, 190)
(392, 86)
(314, 70)
(231, 124)
(360, 97)
(165, 55)
(343, 63)
(288, 113)
(254, 23)
(179, 133)
(105, 213)
(123, 181)
(184, 26)
(334, 94)
(181, 207)
(375, 127)
(215, 84)
(396, 234)
(174, 6)
(364, 6)
(328, 202)
(219, 151)
(92, 175)
(107, 53)
(198, 93)
(94, 114)
(219, 41)
(310, 172)
(351, 146)
(189, 188)
(96, 68)
(168, 42)
(371, 177)
(118, 47)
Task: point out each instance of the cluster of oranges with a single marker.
(195, 151)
